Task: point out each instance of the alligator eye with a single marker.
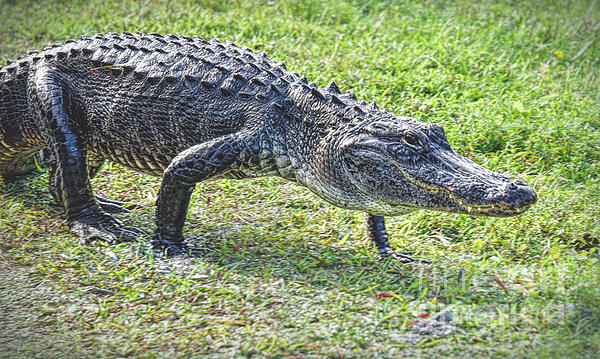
(413, 140)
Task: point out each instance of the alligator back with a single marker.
(142, 99)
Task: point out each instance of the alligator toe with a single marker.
(115, 206)
(175, 248)
(402, 257)
(104, 227)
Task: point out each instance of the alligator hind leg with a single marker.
(378, 234)
(107, 204)
(93, 166)
(69, 181)
(189, 167)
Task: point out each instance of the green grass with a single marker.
(516, 87)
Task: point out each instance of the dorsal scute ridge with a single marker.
(316, 93)
(238, 76)
(241, 64)
(336, 100)
(333, 88)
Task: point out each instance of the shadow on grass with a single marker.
(312, 263)
(271, 253)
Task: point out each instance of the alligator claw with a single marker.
(174, 248)
(115, 206)
(403, 257)
(104, 227)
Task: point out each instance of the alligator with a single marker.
(188, 109)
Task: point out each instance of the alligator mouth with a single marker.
(498, 209)
(493, 209)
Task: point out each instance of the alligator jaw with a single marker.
(499, 209)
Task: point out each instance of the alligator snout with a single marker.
(519, 195)
(507, 199)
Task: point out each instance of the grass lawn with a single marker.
(516, 86)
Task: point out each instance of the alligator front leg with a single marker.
(189, 167)
(69, 181)
(378, 234)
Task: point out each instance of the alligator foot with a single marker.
(115, 206)
(175, 248)
(101, 226)
(378, 234)
(403, 257)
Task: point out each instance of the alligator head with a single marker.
(397, 164)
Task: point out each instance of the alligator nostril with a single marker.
(519, 193)
(527, 196)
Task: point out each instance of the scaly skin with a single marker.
(190, 109)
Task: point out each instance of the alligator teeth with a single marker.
(469, 209)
